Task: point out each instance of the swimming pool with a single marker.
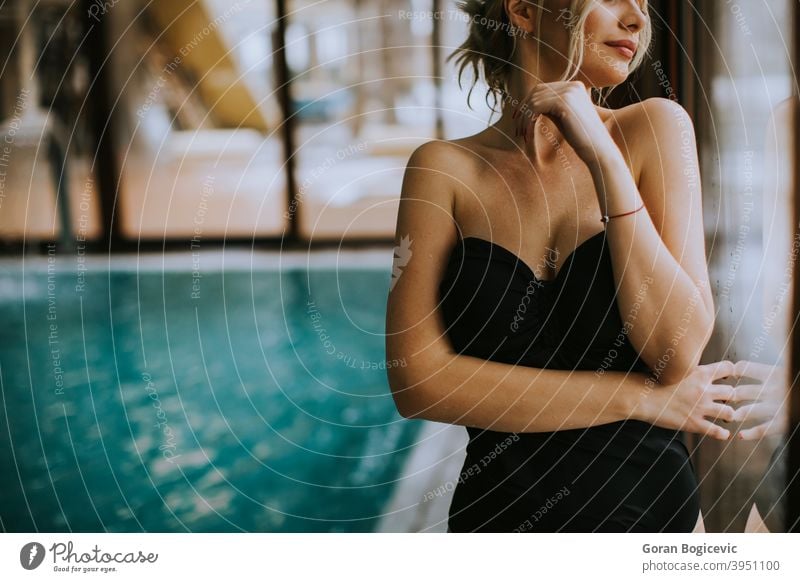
(188, 400)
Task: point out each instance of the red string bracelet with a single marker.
(606, 218)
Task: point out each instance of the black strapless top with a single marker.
(496, 308)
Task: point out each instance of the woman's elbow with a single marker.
(417, 382)
(682, 353)
(405, 405)
(678, 361)
(408, 393)
(409, 410)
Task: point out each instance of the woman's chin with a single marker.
(609, 78)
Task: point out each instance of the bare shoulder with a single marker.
(434, 174)
(650, 118)
(640, 129)
(439, 154)
(447, 165)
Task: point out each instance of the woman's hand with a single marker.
(568, 104)
(766, 401)
(693, 403)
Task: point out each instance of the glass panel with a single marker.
(363, 91)
(748, 209)
(47, 185)
(200, 147)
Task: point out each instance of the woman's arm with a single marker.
(437, 384)
(469, 391)
(660, 272)
(662, 245)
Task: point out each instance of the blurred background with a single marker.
(197, 216)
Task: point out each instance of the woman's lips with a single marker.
(623, 50)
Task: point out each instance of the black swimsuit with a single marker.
(621, 476)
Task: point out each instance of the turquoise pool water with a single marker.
(167, 402)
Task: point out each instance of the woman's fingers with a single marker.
(753, 434)
(754, 412)
(769, 392)
(723, 392)
(755, 370)
(771, 378)
(708, 428)
(718, 370)
(721, 412)
(776, 425)
(745, 392)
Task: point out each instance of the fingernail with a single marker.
(740, 436)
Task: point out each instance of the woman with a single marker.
(554, 295)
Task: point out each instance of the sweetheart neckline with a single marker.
(527, 267)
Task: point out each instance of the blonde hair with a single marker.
(492, 42)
